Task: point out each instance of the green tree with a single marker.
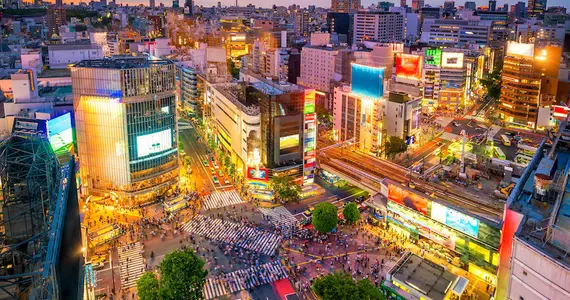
(233, 69)
(182, 275)
(285, 188)
(227, 161)
(351, 213)
(395, 145)
(147, 286)
(211, 144)
(341, 286)
(325, 217)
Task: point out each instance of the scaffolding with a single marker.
(34, 189)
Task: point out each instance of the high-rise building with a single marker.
(345, 5)
(340, 24)
(302, 23)
(530, 81)
(471, 5)
(103, 2)
(378, 26)
(520, 10)
(151, 3)
(536, 8)
(385, 5)
(58, 3)
(449, 7)
(492, 5)
(125, 115)
(188, 8)
(318, 67)
(175, 3)
(55, 19)
(403, 3)
(452, 32)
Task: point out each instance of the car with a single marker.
(205, 163)
(309, 211)
(226, 182)
(213, 171)
(215, 179)
(213, 159)
(215, 165)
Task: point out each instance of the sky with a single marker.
(321, 3)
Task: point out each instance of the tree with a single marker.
(341, 286)
(147, 286)
(233, 69)
(182, 275)
(227, 161)
(325, 217)
(285, 188)
(395, 145)
(351, 213)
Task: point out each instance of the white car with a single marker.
(215, 165)
(227, 182)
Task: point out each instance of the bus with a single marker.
(498, 153)
(506, 141)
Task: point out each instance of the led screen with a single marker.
(154, 142)
(367, 81)
(455, 219)
(259, 174)
(409, 66)
(408, 199)
(60, 133)
(290, 141)
(522, 49)
(452, 60)
(433, 57)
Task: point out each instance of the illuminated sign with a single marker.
(408, 66)
(367, 81)
(290, 141)
(60, 133)
(455, 219)
(514, 48)
(433, 57)
(309, 137)
(452, 60)
(154, 142)
(257, 174)
(408, 199)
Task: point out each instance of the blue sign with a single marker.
(462, 222)
(367, 81)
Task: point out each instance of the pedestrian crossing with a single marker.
(239, 280)
(221, 199)
(281, 218)
(233, 233)
(132, 264)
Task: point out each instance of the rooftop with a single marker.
(542, 196)
(122, 62)
(423, 276)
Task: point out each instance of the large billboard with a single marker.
(153, 143)
(408, 199)
(60, 133)
(455, 219)
(367, 81)
(257, 173)
(452, 60)
(408, 66)
(433, 57)
(514, 48)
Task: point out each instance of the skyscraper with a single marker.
(302, 23)
(403, 3)
(103, 2)
(492, 5)
(536, 8)
(188, 7)
(125, 115)
(151, 3)
(345, 5)
(417, 4)
(55, 18)
(58, 3)
(471, 5)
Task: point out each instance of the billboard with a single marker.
(408, 199)
(257, 174)
(452, 60)
(60, 133)
(433, 57)
(367, 81)
(514, 48)
(408, 66)
(455, 219)
(290, 141)
(153, 143)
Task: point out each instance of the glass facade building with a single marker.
(125, 114)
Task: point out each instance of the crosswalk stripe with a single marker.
(132, 270)
(221, 199)
(233, 233)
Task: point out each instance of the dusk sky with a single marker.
(321, 3)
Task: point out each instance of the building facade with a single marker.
(345, 6)
(377, 26)
(127, 134)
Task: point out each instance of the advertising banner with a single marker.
(408, 199)
(409, 66)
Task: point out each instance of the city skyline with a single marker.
(318, 3)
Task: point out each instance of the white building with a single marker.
(61, 56)
(456, 33)
(378, 26)
(402, 116)
(318, 67)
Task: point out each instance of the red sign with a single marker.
(257, 174)
(408, 199)
(409, 66)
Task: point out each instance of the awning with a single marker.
(460, 285)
